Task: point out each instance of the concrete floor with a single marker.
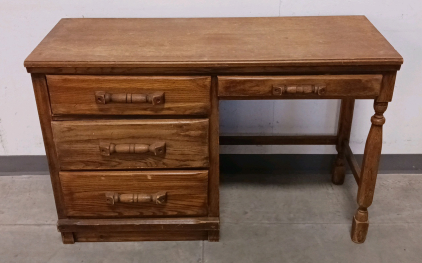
(265, 218)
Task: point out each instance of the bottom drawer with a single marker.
(135, 193)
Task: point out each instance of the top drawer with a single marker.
(300, 87)
(129, 95)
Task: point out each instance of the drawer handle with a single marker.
(157, 198)
(102, 97)
(157, 148)
(279, 90)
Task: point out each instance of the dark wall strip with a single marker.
(244, 163)
(312, 163)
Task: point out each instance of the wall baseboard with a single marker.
(312, 163)
(23, 165)
(244, 163)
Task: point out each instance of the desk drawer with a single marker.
(129, 95)
(135, 194)
(131, 144)
(290, 87)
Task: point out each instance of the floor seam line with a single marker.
(243, 224)
(27, 224)
(203, 252)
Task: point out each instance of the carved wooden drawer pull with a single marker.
(157, 148)
(102, 97)
(157, 198)
(298, 89)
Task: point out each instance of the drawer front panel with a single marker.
(290, 87)
(129, 95)
(134, 194)
(131, 144)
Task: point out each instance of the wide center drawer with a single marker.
(299, 87)
(131, 144)
(129, 95)
(135, 194)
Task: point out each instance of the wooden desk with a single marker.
(129, 112)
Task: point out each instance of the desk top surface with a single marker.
(161, 42)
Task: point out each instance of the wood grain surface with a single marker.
(138, 224)
(78, 143)
(250, 87)
(76, 94)
(119, 87)
(343, 136)
(387, 87)
(369, 172)
(44, 112)
(68, 238)
(140, 236)
(84, 193)
(316, 41)
(351, 160)
(214, 176)
(244, 68)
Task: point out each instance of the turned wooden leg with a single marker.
(369, 173)
(67, 238)
(339, 170)
(343, 133)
